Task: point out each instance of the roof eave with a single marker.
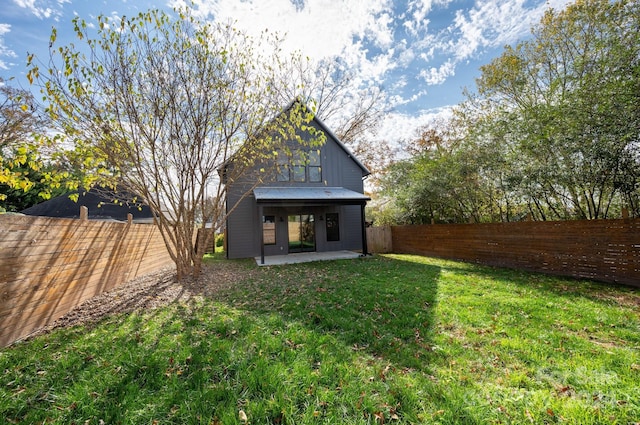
(365, 170)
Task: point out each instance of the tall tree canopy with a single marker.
(553, 131)
(157, 104)
(568, 102)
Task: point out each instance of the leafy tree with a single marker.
(18, 119)
(33, 181)
(446, 179)
(553, 131)
(429, 187)
(569, 98)
(157, 105)
(25, 164)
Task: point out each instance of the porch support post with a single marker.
(261, 230)
(365, 250)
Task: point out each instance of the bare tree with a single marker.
(158, 106)
(18, 118)
(352, 108)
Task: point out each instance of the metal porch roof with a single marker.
(309, 195)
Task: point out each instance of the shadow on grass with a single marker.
(570, 288)
(336, 342)
(381, 306)
(203, 362)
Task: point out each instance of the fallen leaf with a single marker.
(529, 415)
(359, 403)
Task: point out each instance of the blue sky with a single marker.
(423, 52)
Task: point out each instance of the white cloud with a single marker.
(397, 100)
(493, 23)
(405, 54)
(434, 76)
(397, 127)
(5, 52)
(39, 11)
(416, 22)
(43, 9)
(416, 19)
(381, 30)
(489, 24)
(319, 28)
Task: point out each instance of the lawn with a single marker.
(390, 339)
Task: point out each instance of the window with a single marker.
(269, 229)
(283, 167)
(315, 170)
(333, 227)
(300, 167)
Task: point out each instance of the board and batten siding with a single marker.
(338, 170)
(241, 225)
(352, 233)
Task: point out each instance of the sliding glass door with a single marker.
(302, 233)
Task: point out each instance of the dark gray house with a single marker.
(312, 200)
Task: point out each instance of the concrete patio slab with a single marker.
(305, 257)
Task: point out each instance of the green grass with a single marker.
(390, 339)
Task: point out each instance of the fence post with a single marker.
(84, 213)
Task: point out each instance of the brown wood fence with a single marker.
(604, 250)
(49, 265)
(379, 240)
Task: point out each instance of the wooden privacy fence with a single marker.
(604, 250)
(50, 265)
(379, 239)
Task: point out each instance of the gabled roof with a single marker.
(323, 126)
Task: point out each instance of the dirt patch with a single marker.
(149, 292)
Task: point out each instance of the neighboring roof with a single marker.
(308, 195)
(100, 206)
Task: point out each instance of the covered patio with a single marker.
(306, 257)
(286, 203)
